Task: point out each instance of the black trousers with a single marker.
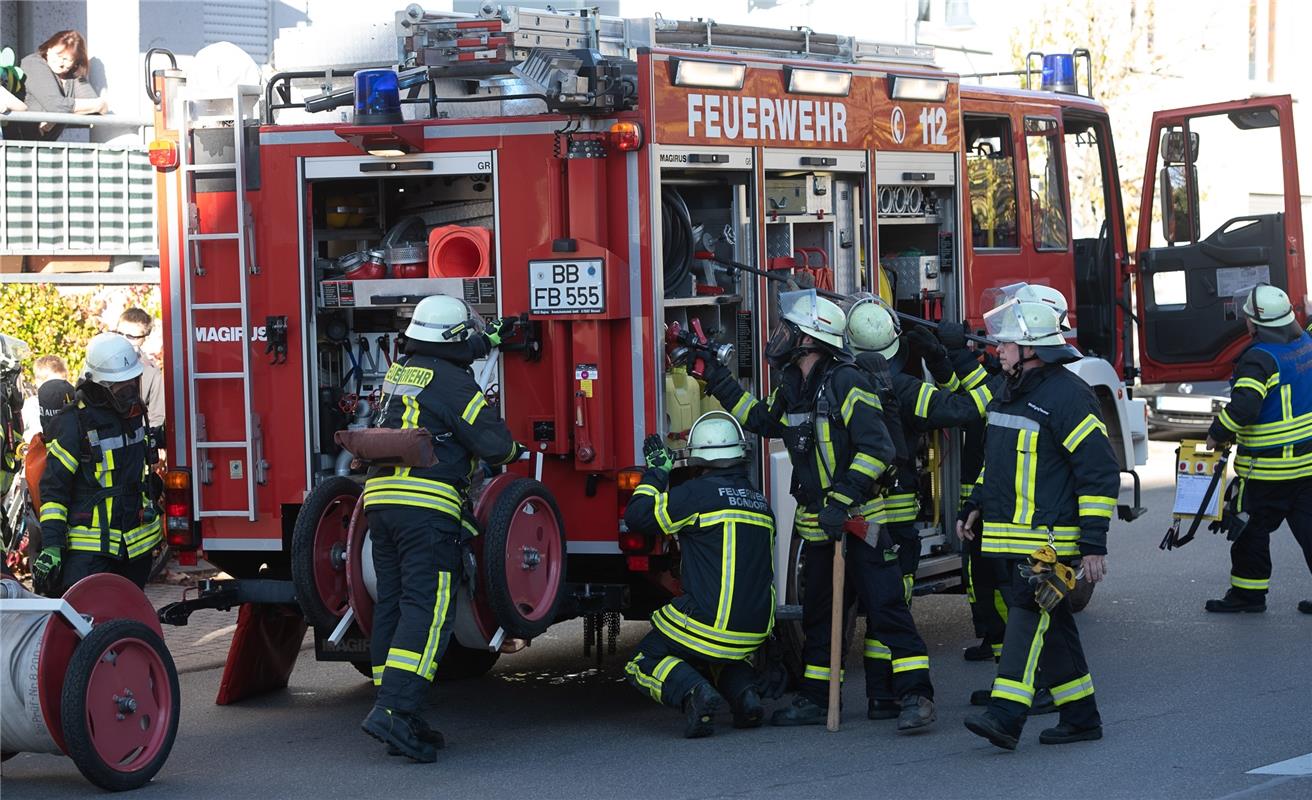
(1269, 503)
(874, 575)
(1041, 640)
(987, 586)
(76, 565)
(417, 557)
(667, 671)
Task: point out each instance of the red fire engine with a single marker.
(595, 175)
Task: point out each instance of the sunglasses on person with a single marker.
(133, 337)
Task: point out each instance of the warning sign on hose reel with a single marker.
(585, 374)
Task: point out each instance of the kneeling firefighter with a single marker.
(912, 408)
(1045, 497)
(417, 515)
(726, 543)
(97, 514)
(828, 415)
(1270, 414)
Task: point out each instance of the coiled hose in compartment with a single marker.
(676, 241)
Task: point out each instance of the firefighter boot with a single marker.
(1065, 733)
(699, 706)
(883, 709)
(917, 714)
(1305, 606)
(747, 709)
(1043, 703)
(425, 732)
(802, 711)
(980, 652)
(398, 730)
(988, 726)
(980, 697)
(1235, 603)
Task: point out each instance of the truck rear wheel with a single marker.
(319, 551)
(524, 558)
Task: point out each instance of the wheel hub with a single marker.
(126, 703)
(532, 558)
(337, 556)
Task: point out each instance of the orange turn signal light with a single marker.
(629, 479)
(177, 479)
(626, 136)
(163, 153)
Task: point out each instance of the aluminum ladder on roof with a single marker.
(220, 113)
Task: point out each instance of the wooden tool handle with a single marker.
(836, 637)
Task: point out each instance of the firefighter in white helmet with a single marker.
(720, 620)
(829, 417)
(96, 511)
(912, 408)
(1045, 498)
(417, 513)
(1270, 416)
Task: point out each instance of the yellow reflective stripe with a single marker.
(953, 383)
(735, 515)
(743, 408)
(53, 511)
(423, 485)
(982, 397)
(729, 546)
(868, 466)
(855, 396)
(698, 645)
(908, 587)
(410, 412)
(1096, 505)
(878, 650)
(1022, 548)
(842, 499)
(997, 648)
(409, 376)
(1287, 402)
(1036, 647)
(411, 500)
(818, 673)
(923, 398)
(378, 674)
(1015, 691)
(910, 663)
(404, 660)
(1252, 383)
(669, 525)
(442, 602)
(1027, 464)
(977, 376)
(1274, 468)
(722, 635)
(142, 539)
(1226, 420)
(61, 455)
(1252, 584)
(1275, 434)
(646, 490)
(476, 404)
(1087, 426)
(1071, 691)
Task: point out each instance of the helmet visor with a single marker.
(1006, 323)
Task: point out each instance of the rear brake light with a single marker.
(177, 509)
(625, 136)
(163, 154)
(633, 542)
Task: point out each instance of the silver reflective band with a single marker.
(1012, 421)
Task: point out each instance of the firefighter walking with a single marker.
(726, 545)
(1270, 416)
(96, 511)
(1045, 497)
(912, 408)
(827, 414)
(417, 514)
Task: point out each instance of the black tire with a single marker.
(302, 550)
(508, 616)
(1081, 595)
(790, 632)
(160, 558)
(461, 663)
(78, 736)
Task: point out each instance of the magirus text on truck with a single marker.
(594, 175)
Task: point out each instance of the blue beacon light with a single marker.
(377, 97)
(1059, 73)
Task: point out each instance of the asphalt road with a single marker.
(1191, 702)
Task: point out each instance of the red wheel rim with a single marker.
(361, 602)
(329, 553)
(533, 558)
(129, 707)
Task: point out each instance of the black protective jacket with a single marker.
(94, 492)
(1049, 468)
(832, 423)
(424, 391)
(726, 540)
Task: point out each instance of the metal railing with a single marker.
(72, 198)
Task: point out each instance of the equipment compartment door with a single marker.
(1192, 327)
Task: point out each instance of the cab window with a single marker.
(1047, 192)
(991, 172)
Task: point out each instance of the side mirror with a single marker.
(1173, 150)
(1179, 205)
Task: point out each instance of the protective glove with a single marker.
(952, 335)
(718, 378)
(500, 329)
(924, 344)
(832, 519)
(657, 455)
(46, 569)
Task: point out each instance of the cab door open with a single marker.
(1220, 213)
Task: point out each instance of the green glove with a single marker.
(45, 570)
(500, 329)
(657, 455)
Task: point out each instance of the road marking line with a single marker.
(1299, 765)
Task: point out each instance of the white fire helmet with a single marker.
(871, 325)
(443, 320)
(1268, 306)
(715, 437)
(111, 358)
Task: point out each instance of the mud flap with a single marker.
(263, 652)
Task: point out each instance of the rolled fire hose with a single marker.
(88, 676)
